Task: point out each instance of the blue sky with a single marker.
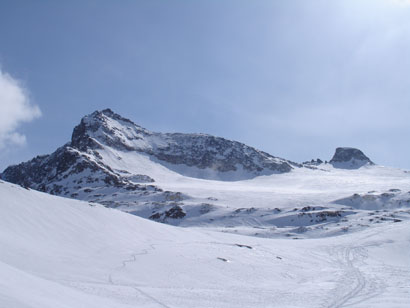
(294, 78)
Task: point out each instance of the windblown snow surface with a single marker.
(63, 253)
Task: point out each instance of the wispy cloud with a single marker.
(15, 109)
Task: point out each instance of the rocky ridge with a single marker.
(202, 151)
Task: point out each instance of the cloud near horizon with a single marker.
(15, 109)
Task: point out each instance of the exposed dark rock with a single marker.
(313, 162)
(175, 212)
(155, 216)
(349, 158)
(244, 246)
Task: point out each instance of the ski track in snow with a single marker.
(353, 282)
(138, 289)
(151, 297)
(354, 286)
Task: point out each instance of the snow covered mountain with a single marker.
(90, 166)
(83, 168)
(196, 155)
(201, 180)
(259, 231)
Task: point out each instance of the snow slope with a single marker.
(58, 252)
(266, 205)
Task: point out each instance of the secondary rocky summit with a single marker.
(349, 158)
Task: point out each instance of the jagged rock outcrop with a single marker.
(349, 158)
(313, 162)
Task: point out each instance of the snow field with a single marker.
(57, 252)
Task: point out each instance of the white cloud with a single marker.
(15, 109)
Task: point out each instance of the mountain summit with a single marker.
(205, 156)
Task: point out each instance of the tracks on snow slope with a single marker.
(136, 288)
(353, 287)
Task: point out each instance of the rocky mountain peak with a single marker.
(202, 154)
(349, 158)
(106, 127)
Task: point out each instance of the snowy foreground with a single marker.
(57, 252)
